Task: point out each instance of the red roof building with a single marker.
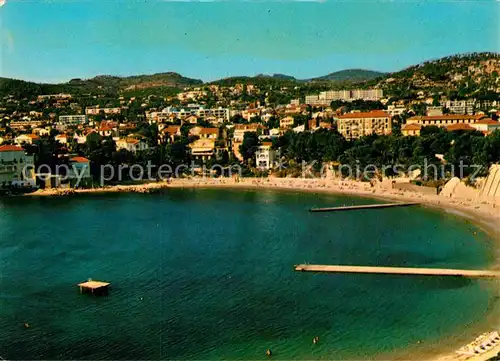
(11, 148)
(79, 160)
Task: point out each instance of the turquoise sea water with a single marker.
(207, 274)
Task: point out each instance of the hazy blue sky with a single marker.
(61, 39)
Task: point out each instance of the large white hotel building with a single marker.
(326, 97)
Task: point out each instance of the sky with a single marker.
(57, 40)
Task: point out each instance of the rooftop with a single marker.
(488, 121)
(79, 160)
(411, 127)
(10, 148)
(447, 117)
(372, 114)
(209, 131)
(459, 126)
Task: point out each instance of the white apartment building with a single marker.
(222, 114)
(326, 97)
(16, 168)
(367, 94)
(96, 110)
(54, 96)
(460, 106)
(393, 110)
(71, 120)
(265, 157)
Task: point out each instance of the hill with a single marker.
(350, 75)
(276, 80)
(169, 79)
(458, 76)
(97, 85)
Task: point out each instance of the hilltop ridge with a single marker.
(462, 75)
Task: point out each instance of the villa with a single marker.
(26, 138)
(131, 144)
(265, 156)
(16, 167)
(79, 171)
(202, 149)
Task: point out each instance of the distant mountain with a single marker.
(137, 82)
(458, 76)
(350, 75)
(343, 76)
(276, 76)
(98, 84)
(259, 80)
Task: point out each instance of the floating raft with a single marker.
(94, 287)
(397, 271)
(365, 206)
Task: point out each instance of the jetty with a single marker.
(397, 271)
(95, 288)
(365, 206)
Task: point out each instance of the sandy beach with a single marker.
(483, 212)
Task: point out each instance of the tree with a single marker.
(249, 146)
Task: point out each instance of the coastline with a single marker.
(485, 214)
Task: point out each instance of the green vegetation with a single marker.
(98, 85)
(457, 148)
(351, 75)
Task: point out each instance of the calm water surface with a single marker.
(207, 274)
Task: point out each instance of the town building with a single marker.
(444, 120)
(221, 114)
(70, 120)
(27, 138)
(192, 119)
(62, 138)
(486, 125)
(79, 171)
(393, 110)
(170, 132)
(59, 96)
(249, 114)
(434, 110)
(241, 129)
(202, 149)
(355, 125)
(106, 130)
(286, 122)
(131, 144)
(24, 124)
(460, 126)
(326, 97)
(209, 133)
(459, 106)
(265, 156)
(16, 167)
(41, 131)
(411, 130)
(96, 110)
